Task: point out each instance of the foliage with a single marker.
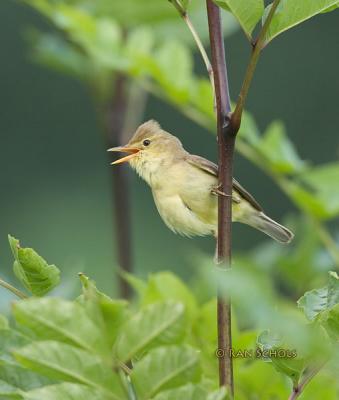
(32, 270)
(163, 346)
(247, 13)
(287, 15)
(96, 49)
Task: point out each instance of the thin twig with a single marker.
(226, 141)
(183, 13)
(12, 289)
(257, 47)
(297, 391)
(127, 385)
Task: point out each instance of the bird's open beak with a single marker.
(133, 151)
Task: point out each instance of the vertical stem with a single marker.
(116, 114)
(226, 141)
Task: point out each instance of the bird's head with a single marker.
(149, 148)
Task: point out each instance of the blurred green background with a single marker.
(54, 171)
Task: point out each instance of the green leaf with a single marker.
(323, 182)
(322, 177)
(332, 8)
(308, 201)
(66, 391)
(164, 286)
(177, 30)
(272, 349)
(249, 129)
(135, 13)
(191, 392)
(160, 323)
(220, 394)
(164, 368)
(313, 302)
(64, 362)
(100, 38)
(172, 68)
(267, 384)
(185, 3)
(57, 319)
(247, 12)
(159, 15)
(279, 151)
(329, 319)
(12, 373)
(289, 14)
(20, 378)
(139, 45)
(3, 322)
(9, 340)
(9, 392)
(55, 53)
(136, 283)
(32, 270)
(316, 301)
(205, 328)
(182, 5)
(187, 392)
(108, 314)
(201, 97)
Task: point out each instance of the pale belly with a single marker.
(180, 218)
(187, 214)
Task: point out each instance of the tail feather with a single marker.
(271, 228)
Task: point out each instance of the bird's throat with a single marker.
(149, 170)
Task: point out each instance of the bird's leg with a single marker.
(216, 258)
(219, 192)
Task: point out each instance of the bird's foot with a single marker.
(219, 192)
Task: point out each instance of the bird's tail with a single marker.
(271, 228)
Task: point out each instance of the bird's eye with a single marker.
(146, 142)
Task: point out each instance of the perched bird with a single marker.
(184, 186)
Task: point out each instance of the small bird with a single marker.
(185, 186)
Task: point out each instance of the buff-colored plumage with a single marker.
(183, 186)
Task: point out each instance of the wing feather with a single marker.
(212, 168)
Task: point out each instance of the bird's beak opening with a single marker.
(133, 151)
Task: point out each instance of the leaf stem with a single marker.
(226, 142)
(183, 13)
(297, 391)
(12, 289)
(127, 385)
(258, 45)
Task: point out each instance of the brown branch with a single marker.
(258, 45)
(226, 141)
(116, 114)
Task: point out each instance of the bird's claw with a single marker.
(219, 192)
